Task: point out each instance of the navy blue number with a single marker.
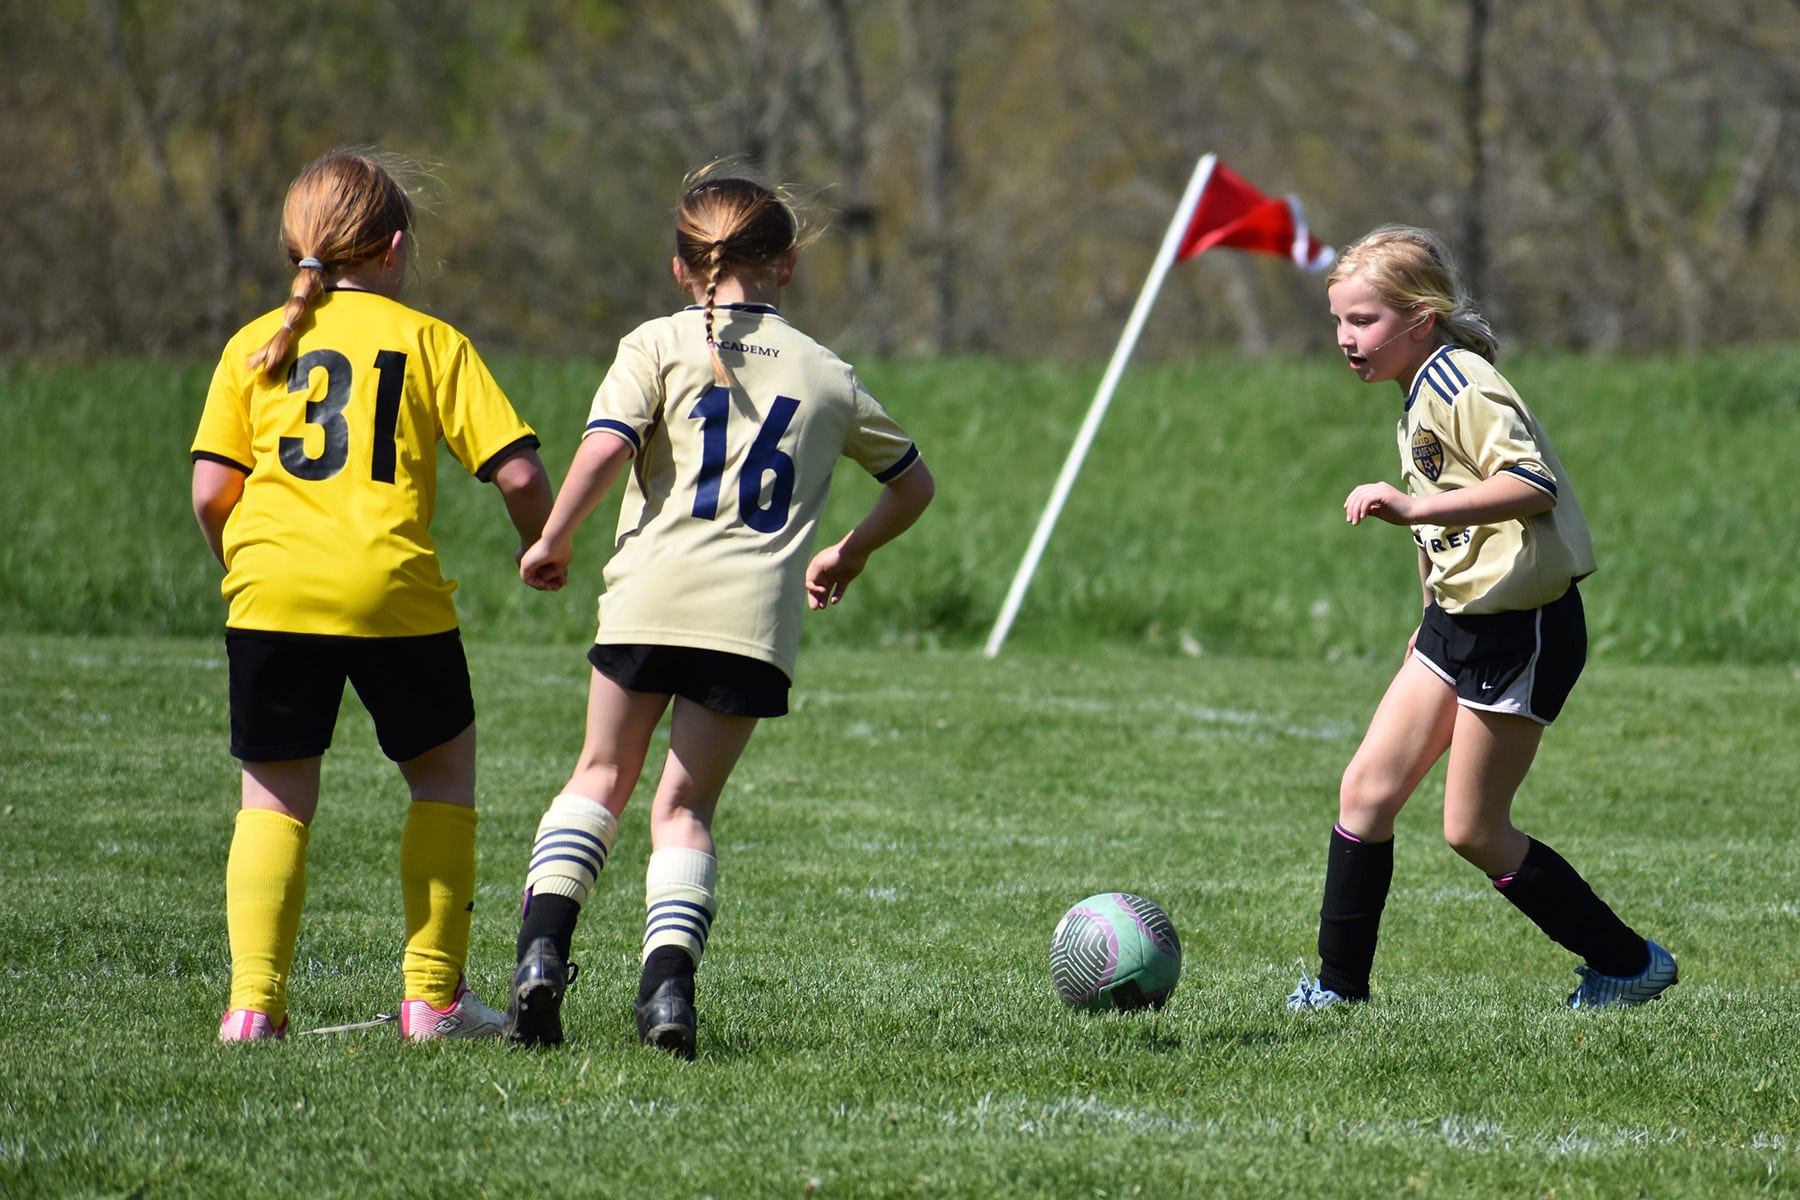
(765, 458)
(711, 412)
(327, 412)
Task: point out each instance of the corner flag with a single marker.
(1218, 209)
(1232, 213)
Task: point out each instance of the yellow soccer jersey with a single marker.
(1464, 423)
(332, 535)
(727, 485)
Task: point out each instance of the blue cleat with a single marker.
(1624, 991)
(1309, 996)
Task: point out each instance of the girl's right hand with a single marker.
(545, 566)
(1381, 500)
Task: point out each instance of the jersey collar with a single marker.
(743, 308)
(1418, 379)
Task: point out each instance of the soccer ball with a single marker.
(1115, 950)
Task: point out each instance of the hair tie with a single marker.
(309, 263)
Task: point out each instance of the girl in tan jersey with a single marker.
(731, 421)
(1501, 543)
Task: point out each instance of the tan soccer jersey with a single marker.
(727, 486)
(340, 454)
(1463, 424)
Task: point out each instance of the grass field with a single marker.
(876, 1013)
(1191, 671)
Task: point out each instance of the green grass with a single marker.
(1191, 670)
(1207, 519)
(876, 1013)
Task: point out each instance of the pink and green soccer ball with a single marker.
(1115, 950)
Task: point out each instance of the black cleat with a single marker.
(534, 1007)
(666, 1020)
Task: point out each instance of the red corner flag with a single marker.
(1232, 213)
(1216, 209)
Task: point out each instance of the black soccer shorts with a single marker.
(733, 684)
(1523, 663)
(286, 689)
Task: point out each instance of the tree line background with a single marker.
(1618, 175)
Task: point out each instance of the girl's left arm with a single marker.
(900, 503)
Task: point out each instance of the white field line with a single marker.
(1189, 719)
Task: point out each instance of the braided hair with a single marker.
(727, 224)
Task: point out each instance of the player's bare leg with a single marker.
(1490, 754)
(680, 882)
(620, 724)
(1409, 732)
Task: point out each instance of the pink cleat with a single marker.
(248, 1025)
(468, 1017)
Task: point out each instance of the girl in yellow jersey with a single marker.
(731, 420)
(315, 477)
(1501, 543)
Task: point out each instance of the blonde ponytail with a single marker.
(309, 283)
(341, 210)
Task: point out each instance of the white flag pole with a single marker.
(1165, 258)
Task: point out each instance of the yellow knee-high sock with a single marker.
(437, 887)
(265, 887)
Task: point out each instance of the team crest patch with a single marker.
(1428, 454)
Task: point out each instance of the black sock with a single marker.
(665, 962)
(1357, 877)
(1560, 902)
(548, 916)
